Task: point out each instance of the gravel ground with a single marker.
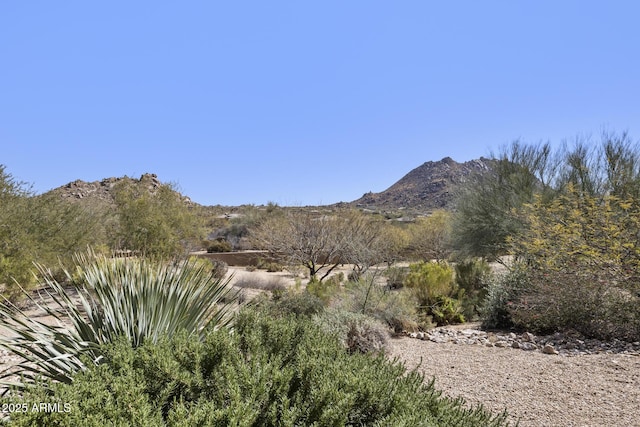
(536, 389)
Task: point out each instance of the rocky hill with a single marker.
(430, 186)
(103, 191)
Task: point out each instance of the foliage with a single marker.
(485, 220)
(218, 245)
(138, 299)
(157, 224)
(584, 256)
(472, 276)
(502, 290)
(291, 302)
(435, 291)
(269, 372)
(356, 331)
(328, 290)
(43, 228)
(430, 237)
(394, 308)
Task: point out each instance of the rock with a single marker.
(501, 344)
(515, 345)
(528, 337)
(528, 346)
(549, 349)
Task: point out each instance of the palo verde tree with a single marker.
(44, 229)
(156, 223)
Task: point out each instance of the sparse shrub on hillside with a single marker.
(268, 372)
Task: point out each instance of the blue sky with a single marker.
(302, 102)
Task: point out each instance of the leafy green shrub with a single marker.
(435, 290)
(356, 331)
(327, 289)
(472, 276)
(292, 303)
(394, 308)
(219, 245)
(138, 299)
(560, 301)
(502, 290)
(269, 372)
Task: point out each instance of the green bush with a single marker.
(137, 299)
(395, 308)
(568, 300)
(291, 303)
(472, 276)
(356, 331)
(219, 245)
(327, 289)
(502, 290)
(436, 293)
(269, 372)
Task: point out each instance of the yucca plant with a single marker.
(139, 299)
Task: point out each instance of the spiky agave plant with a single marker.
(139, 299)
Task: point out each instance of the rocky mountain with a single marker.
(430, 186)
(103, 191)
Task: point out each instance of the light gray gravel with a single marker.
(536, 388)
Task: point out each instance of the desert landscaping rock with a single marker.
(569, 344)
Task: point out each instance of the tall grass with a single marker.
(138, 299)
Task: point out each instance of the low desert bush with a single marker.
(268, 372)
(219, 245)
(502, 290)
(472, 276)
(356, 331)
(291, 302)
(326, 290)
(395, 308)
(560, 300)
(139, 300)
(264, 284)
(435, 291)
(396, 277)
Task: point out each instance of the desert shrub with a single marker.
(290, 302)
(219, 245)
(394, 308)
(269, 372)
(472, 276)
(139, 300)
(396, 277)
(356, 331)
(560, 301)
(264, 284)
(327, 289)
(582, 254)
(502, 290)
(435, 291)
